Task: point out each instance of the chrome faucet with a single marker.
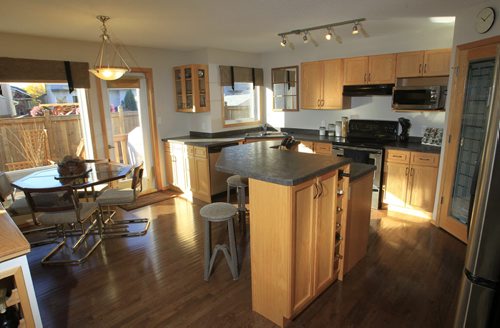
(264, 127)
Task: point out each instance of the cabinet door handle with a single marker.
(425, 68)
(407, 171)
(318, 102)
(412, 171)
(320, 184)
(315, 191)
(420, 69)
(364, 78)
(369, 76)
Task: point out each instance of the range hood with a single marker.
(368, 90)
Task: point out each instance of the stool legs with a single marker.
(231, 255)
(208, 249)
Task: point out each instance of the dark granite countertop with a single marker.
(258, 161)
(413, 146)
(360, 169)
(205, 142)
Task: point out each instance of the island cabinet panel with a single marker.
(303, 253)
(325, 233)
(293, 245)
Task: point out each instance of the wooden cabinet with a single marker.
(378, 69)
(423, 63)
(410, 180)
(299, 253)
(191, 88)
(310, 147)
(15, 274)
(191, 169)
(321, 85)
(199, 172)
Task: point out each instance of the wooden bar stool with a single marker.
(240, 184)
(220, 212)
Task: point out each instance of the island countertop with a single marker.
(12, 241)
(258, 161)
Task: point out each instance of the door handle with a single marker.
(364, 78)
(407, 171)
(369, 76)
(315, 191)
(110, 147)
(320, 189)
(420, 69)
(425, 68)
(412, 171)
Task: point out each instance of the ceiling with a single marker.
(249, 26)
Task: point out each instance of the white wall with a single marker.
(376, 107)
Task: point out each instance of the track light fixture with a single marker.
(330, 32)
(306, 40)
(355, 28)
(283, 41)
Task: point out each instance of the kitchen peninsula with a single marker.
(298, 220)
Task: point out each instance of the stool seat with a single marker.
(237, 181)
(218, 211)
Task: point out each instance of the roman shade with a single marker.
(34, 70)
(234, 74)
(284, 76)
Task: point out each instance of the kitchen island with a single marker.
(298, 213)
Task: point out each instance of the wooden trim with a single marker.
(91, 124)
(148, 75)
(261, 111)
(486, 48)
(102, 117)
(479, 43)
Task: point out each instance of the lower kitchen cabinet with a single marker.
(191, 169)
(410, 180)
(322, 148)
(297, 254)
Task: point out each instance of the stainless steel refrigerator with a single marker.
(479, 300)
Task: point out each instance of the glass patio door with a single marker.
(128, 125)
(473, 92)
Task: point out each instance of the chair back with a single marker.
(6, 188)
(137, 178)
(56, 199)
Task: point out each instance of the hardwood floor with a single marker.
(409, 278)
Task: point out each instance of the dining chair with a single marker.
(94, 191)
(117, 197)
(16, 205)
(63, 213)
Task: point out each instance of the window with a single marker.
(285, 85)
(241, 105)
(241, 94)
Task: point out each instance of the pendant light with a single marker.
(103, 65)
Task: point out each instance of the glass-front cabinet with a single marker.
(191, 88)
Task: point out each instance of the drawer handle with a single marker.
(398, 156)
(424, 159)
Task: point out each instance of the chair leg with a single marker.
(228, 193)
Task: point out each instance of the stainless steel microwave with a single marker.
(418, 98)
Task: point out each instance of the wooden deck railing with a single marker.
(64, 135)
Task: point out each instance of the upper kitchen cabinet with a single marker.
(321, 85)
(191, 88)
(378, 69)
(423, 63)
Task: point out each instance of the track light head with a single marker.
(328, 34)
(305, 38)
(283, 41)
(355, 28)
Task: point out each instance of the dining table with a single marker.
(97, 173)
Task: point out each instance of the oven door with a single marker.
(368, 156)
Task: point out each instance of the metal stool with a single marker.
(240, 183)
(219, 212)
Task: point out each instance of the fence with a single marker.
(64, 134)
